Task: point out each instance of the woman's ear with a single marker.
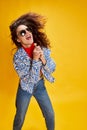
(18, 40)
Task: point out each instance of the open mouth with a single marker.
(28, 38)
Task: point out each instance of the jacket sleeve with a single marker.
(50, 64)
(49, 67)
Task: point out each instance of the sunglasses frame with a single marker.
(23, 32)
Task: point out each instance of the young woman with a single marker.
(33, 63)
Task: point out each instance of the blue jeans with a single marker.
(23, 100)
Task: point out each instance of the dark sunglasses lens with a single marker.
(29, 29)
(23, 32)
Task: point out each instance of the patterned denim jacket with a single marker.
(29, 70)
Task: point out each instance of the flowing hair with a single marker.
(36, 23)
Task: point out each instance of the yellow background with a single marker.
(66, 28)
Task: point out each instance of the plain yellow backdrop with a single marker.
(66, 28)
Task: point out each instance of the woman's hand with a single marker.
(38, 54)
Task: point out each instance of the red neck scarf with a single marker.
(29, 50)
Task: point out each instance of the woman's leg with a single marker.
(44, 102)
(22, 102)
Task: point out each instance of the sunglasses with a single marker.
(23, 32)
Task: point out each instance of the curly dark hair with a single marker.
(36, 23)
